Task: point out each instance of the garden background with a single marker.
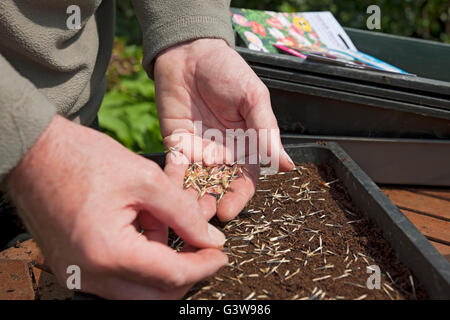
(128, 113)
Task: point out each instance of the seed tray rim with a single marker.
(401, 161)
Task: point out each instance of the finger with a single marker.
(208, 149)
(155, 264)
(241, 192)
(175, 169)
(214, 151)
(117, 288)
(259, 115)
(152, 228)
(190, 145)
(189, 248)
(207, 203)
(167, 203)
(176, 165)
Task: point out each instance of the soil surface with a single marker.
(300, 237)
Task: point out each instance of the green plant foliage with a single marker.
(128, 112)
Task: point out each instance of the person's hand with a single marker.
(84, 198)
(205, 80)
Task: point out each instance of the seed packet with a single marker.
(333, 57)
(315, 36)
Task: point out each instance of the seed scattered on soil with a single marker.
(300, 237)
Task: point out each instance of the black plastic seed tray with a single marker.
(393, 161)
(416, 96)
(396, 86)
(411, 247)
(322, 99)
(427, 59)
(313, 110)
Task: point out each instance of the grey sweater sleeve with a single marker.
(169, 22)
(24, 115)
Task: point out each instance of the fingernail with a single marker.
(289, 159)
(216, 235)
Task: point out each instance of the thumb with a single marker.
(173, 207)
(151, 263)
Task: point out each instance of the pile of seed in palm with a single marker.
(213, 180)
(300, 237)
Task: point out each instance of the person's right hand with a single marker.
(83, 197)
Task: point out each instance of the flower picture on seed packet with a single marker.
(315, 36)
(260, 30)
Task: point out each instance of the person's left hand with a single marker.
(205, 80)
